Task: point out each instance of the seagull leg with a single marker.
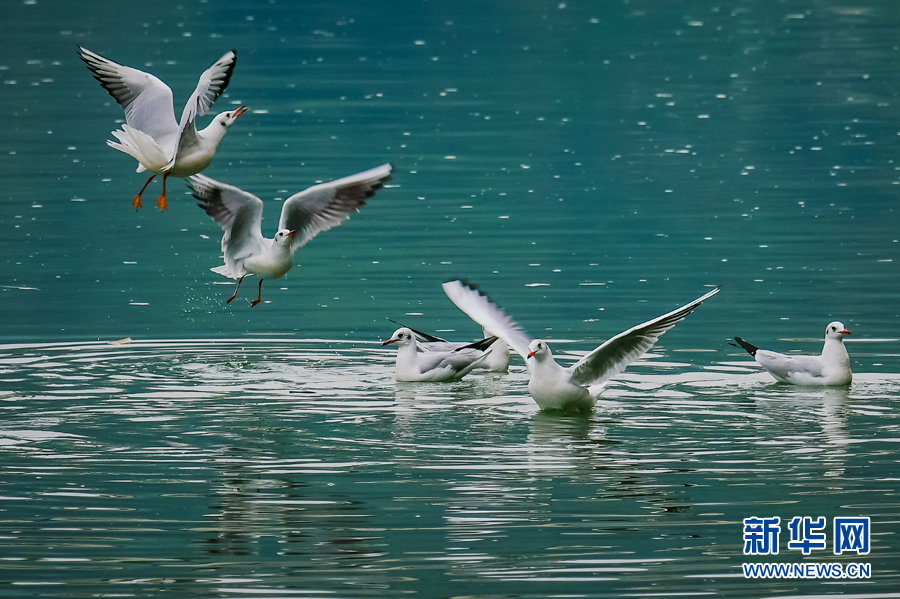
(234, 295)
(161, 201)
(136, 202)
(258, 297)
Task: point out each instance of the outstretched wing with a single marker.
(146, 100)
(482, 310)
(212, 83)
(238, 213)
(613, 356)
(327, 205)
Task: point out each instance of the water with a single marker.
(590, 165)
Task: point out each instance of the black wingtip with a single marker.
(465, 282)
(483, 344)
(748, 347)
(424, 336)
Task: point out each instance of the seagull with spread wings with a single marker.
(553, 387)
(151, 134)
(303, 216)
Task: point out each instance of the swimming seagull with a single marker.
(151, 134)
(497, 360)
(832, 368)
(435, 366)
(553, 387)
(303, 216)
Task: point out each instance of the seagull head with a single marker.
(283, 236)
(225, 119)
(836, 330)
(539, 350)
(402, 337)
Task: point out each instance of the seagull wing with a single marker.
(613, 356)
(327, 205)
(785, 368)
(212, 83)
(482, 310)
(238, 213)
(146, 100)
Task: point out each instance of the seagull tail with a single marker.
(748, 347)
(141, 147)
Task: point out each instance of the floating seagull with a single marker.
(303, 216)
(435, 366)
(496, 361)
(574, 388)
(151, 134)
(831, 368)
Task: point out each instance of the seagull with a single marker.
(151, 134)
(303, 216)
(497, 359)
(435, 366)
(832, 368)
(553, 387)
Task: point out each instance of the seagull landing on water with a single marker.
(303, 216)
(151, 134)
(435, 366)
(553, 387)
(832, 368)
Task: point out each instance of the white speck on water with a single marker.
(449, 157)
(129, 262)
(537, 284)
(138, 303)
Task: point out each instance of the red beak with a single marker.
(530, 355)
(845, 332)
(241, 110)
(388, 342)
(291, 233)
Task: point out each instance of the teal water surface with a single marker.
(590, 164)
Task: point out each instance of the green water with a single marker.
(590, 164)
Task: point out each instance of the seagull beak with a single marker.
(291, 233)
(530, 355)
(388, 342)
(845, 332)
(241, 110)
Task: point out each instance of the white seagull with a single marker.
(832, 368)
(435, 366)
(303, 216)
(553, 387)
(151, 134)
(497, 359)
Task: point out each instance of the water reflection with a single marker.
(307, 458)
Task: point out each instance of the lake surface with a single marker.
(590, 165)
